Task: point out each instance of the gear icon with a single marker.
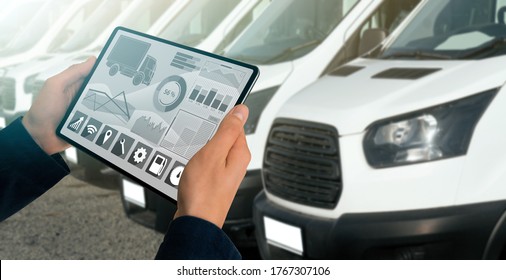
(140, 155)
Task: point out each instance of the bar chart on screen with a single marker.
(210, 97)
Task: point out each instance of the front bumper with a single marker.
(156, 212)
(239, 223)
(89, 169)
(459, 232)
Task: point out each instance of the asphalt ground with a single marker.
(76, 220)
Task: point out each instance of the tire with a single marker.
(138, 78)
(114, 69)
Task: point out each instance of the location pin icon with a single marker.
(107, 135)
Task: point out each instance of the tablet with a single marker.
(149, 105)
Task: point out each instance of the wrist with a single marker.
(39, 136)
(32, 132)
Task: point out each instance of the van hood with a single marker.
(367, 90)
(30, 66)
(272, 75)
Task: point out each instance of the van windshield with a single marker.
(93, 26)
(141, 19)
(37, 27)
(289, 29)
(14, 20)
(145, 16)
(197, 20)
(452, 29)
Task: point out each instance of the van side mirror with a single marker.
(370, 39)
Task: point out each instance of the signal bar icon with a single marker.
(75, 125)
(77, 121)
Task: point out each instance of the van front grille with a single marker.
(301, 163)
(7, 93)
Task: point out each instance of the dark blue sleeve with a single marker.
(194, 238)
(26, 171)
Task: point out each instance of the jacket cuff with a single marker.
(194, 238)
(28, 160)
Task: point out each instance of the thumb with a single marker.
(230, 129)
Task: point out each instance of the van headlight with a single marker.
(434, 133)
(256, 103)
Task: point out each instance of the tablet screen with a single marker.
(149, 105)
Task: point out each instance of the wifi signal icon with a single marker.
(91, 129)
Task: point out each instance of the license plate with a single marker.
(2, 122)
(71, 154)
(284, 236)
(134, 193)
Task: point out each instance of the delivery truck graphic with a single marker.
(127, 55)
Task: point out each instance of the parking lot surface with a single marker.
(75, 220)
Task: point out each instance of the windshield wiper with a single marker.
(496, 44)
(416, 54)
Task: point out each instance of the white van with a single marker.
(293, 43)
(398, 154)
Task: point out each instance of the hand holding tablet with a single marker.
(49, 107)
(216, 171)
(150, 105)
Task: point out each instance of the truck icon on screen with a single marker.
(126, 57)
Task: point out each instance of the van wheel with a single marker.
(496, 246)
(114, 69)
(138, 78)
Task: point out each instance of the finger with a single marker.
(239, 155)
(76, 72)
(230, 129)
